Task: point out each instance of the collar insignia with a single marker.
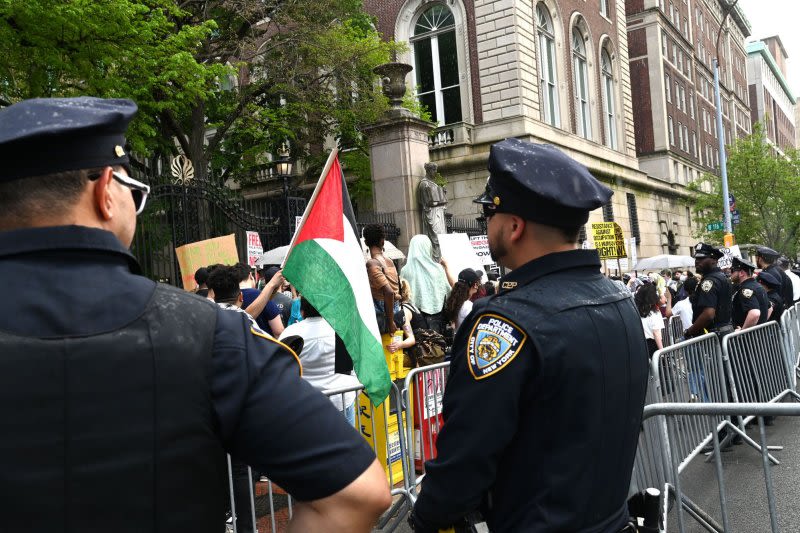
(508, 285)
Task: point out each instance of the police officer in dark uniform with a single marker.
(711, 308)
(767, 260)
(119, 397)
(773, 287)
(750, 302)
(543, 404)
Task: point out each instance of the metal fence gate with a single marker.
(182, 209)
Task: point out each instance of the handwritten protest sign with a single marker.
(254, 248)
(480, 244)
(203, 253)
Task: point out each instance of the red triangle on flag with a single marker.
(325, 218)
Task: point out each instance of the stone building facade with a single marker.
(772, 102)
(672, 47)
(545, 71)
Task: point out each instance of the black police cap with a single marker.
(767, 253)
(738, 263)
(542, 184)
(703, 250)
(47, 135)
(768, 279)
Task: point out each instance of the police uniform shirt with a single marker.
(714, 291)
(532, 434)
(749, 295)
(786, 289)
(74, 281)
(777, 306)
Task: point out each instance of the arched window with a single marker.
(609, 114)
(580, 74)
(436, 64)
(548, 82)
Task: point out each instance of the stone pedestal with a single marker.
(398, 147)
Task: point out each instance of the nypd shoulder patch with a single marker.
(747, 293)
(493, 343)
(706, 285)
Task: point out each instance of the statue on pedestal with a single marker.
(432, 200)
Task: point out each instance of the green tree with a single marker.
(766, 186)
(226, 81)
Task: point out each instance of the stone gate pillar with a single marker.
(398, 150)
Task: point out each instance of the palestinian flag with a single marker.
(326, 264)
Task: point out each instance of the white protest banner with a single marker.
(632, 251)
(480, 244)
(254, 248)
(459, 254)
(730, 253)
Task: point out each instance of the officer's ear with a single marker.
(517, 225)
(103, 197)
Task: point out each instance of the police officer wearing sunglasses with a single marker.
(119, 397)
(547, 379)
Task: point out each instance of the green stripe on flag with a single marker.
(320, 279)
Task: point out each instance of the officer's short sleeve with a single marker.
(707, 294)
(748, 299)
(273, 420)
(492, 360)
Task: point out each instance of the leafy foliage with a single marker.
(225, 81)
(766, 186)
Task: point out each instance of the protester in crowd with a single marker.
(200, 277)
(773, 287)
(750, 305)
(648, 305)
(319, 356)
(166, 382)
(481, 292)
(413, 320)
(429, 282)
(547, 378)
(489, 288)
(785, 264)
(712, 304)
(683, 308)
(279, 297)
(258, 304)
(384, 282)
(767, 260)
(458, 304)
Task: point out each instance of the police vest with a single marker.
(569, 466)
(114, 431)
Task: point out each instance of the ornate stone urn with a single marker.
(393, 76)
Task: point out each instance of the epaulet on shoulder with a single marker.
(258, 332)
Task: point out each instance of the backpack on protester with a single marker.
(430, 346)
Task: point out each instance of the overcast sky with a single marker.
(778, 17)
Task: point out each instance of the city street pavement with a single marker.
(744, 484)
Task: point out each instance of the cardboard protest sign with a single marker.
(203, 253)
(727, 260)
(608, 240)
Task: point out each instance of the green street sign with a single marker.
(714, 226)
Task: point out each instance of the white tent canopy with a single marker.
(659, 262)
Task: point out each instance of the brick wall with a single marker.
(642, 109)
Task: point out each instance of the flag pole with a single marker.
(325, 170)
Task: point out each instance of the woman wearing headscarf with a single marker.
(429, 281)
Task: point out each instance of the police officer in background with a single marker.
(767, 260)
(773, 286)
(711, 309)
(543, 404)
(120, 396)
(750, 302)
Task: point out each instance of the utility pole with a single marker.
(723, 159)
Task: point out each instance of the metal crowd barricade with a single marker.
(757, 366)
(373, 423)
(423, 391)
(672, 417)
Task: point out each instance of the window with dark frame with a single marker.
(633, 215)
